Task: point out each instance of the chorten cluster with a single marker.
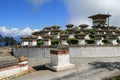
(100, 33)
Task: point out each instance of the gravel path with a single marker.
(86, 69)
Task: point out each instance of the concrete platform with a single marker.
(86, 69)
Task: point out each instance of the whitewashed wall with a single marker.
(64, 42)
(99, 51)
(9, 72)
(25, 43)
(95, 52)
(12, 71)
(71, 35)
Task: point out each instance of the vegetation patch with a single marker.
(113, 78)
(77, 31)
(55, 41)
(72, 41)
(64, 32)
(39, 42)
(116, 78)
(76, 36)
(118, 40)
(8, 41)
(105, 41)
(91, 41)
(91, 31)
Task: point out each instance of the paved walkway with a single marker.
(86, 69)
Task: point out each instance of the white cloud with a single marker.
(37, 2)
(79, 10)
(14, 32)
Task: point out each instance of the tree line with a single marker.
(7, 41)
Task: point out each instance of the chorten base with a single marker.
(60, 67)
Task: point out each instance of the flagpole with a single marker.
(108, 19)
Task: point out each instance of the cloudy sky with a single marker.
(21, 17)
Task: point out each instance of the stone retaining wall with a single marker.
(97, 51)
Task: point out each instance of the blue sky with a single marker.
(21, 13)
(22, 17)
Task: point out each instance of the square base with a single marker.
(60, 67)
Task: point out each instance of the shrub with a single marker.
(91, 41)
(77, 31)
(118, 40)
(76, 36)
(55, 41)
(105, 41)
(72, 41)
(39, 42)
(91, 31)
(63, 32)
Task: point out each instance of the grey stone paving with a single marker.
(86, 69)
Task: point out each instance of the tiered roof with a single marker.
(99, 16)
(98, 36)
(46, 37)
(112, 36)
(29, 38)
(45, 31)
(117, 32)
(81, 35)
(47, 28)
(83, 26)
(32, 37)
(112, 27)
(69, 25)
(36, 33)
(63, 36)
(70, 31)
(55, 27)
(85, 31)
